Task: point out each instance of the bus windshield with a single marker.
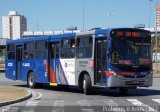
(131, 51)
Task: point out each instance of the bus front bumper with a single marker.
(114, 81)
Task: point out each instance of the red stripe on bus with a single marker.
(108, 73)
(52, 77)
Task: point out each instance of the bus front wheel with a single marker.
(86, 84)
(31, 80)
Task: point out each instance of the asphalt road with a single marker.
(70, 99)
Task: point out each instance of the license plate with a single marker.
(135, 82)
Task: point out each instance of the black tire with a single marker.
(86, 84)
(39, 85)
(123, 90)
(31, 80)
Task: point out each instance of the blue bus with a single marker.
(111, 58)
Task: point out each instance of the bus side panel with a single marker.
(57, 74)
(10, 69)
(54, 74)
(68, 71)
(41, 73)
(36, 66)
(27, 65)
(83, 65)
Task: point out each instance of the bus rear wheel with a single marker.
(86, 84)
(31, 80)
(123, 90)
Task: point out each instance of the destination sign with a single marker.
(130, 33)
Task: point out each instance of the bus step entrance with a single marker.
(100, 61)
(53, 84)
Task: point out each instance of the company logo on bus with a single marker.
(65, 65)
(10, 64)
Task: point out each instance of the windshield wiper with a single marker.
(138, 56)
(140, 45)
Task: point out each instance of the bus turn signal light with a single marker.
(91, 63)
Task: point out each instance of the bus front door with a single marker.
(18, 61)
(100, 61)
(54, 62)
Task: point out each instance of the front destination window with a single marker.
(133, 49)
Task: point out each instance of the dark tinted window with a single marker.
(29, 50)
(68, 48)
(84, 47)
(40, 49)
(11, 51)
(29, 46)
(55, 50)
(11, 47)
(41, 45)
(19, 53)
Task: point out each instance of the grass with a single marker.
(8, 93)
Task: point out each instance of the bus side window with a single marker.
(57, 51)
(84, 47)
(52, 51)
(53, 48)
(41, 49)
(68, 48)
(29, 50)
(11, 51)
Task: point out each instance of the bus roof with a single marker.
(51, 37)
(59, 36)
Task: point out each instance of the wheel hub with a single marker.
(84, 84)
(31, 80)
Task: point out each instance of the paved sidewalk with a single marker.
(10, 95)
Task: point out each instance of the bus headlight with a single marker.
(118, 76)
(115, 74)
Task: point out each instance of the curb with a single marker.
(29, 95)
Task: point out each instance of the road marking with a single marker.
(59, 106)
(36, 95)
(39, 96)
(32, 103)
(58, 110)
(86, 107)
(156, 100)
(28, 111)
(110, 102)
(87, 110)
(83, 103)
(138, 103)
(59, 103)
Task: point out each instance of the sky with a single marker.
(48, 15)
